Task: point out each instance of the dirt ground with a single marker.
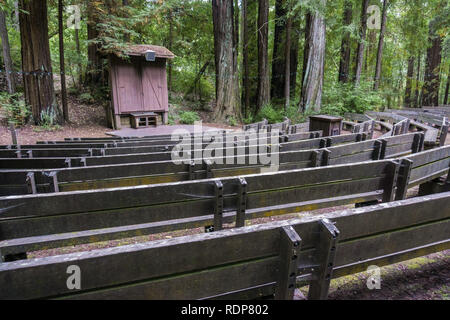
(86, 121)
(422, 278)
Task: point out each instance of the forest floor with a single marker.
(422, 278)
(86, 121)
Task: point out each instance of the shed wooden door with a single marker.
(129, 87)
(154, 85)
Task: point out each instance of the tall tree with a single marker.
(279, 55)
(36, 62)
(225, 50)
(249, 56)
(447, 89)
(314, 60)
(78, 49)
(430, 89)
(245, 66)
(287, 76)
(380, 46)
(263, 54)
(94, 68)
(361, 40)
(344, 66)
(408, 102)
(417, 91)
(10, 78)
(278, 80)
(62, 61)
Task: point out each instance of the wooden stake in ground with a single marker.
(13, 133)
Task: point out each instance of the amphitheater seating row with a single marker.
(266, 260)
(131, 174)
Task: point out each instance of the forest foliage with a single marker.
(186, 28)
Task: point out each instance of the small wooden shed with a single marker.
(139, 85)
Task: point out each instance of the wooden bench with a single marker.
(131, 174)
(33, 222)
(245, 263)
(116, 155)
(144, 120)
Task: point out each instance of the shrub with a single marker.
(341, 98)
(87, 98)
(188, 117)
(270, 113)
(14, 108)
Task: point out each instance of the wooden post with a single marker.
(218, 205)
(290, 243)
(403, 179)
(13, 133)
(326, 253)
(242, 203)
(391, 182)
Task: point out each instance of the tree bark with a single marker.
(61, 62)
(295, 39)
(36, 63)
(409, 77)
(287, 76)
(362, 38)
(227, 86)
(430, 89)
(94, 69)
(416, 94)
(279, 55)
(263, 54)
(10, 78)
(245, 66)
(344, 66)
(380, 47)
(80, 67)
(127, 36)
(446, 90)
(314, 62)
(169, 71)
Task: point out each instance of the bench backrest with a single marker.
(197, 202)
(131, 174)
(244, 263)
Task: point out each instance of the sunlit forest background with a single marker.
(402, 61)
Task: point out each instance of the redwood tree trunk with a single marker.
(287, 77)
(279, 55)
(409, 77)
(94, 69)
(362, 38)
(36, 63)
(80, 67)
(380, 47)
(447, 89)
(245, 66)
(314, 62)
(430, 89)
(344, 66)
(278, 80)
(61, 61)
(263, 54)
(10, 78)
(227, 87)
(417, 92)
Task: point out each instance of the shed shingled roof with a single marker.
(140, 49)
